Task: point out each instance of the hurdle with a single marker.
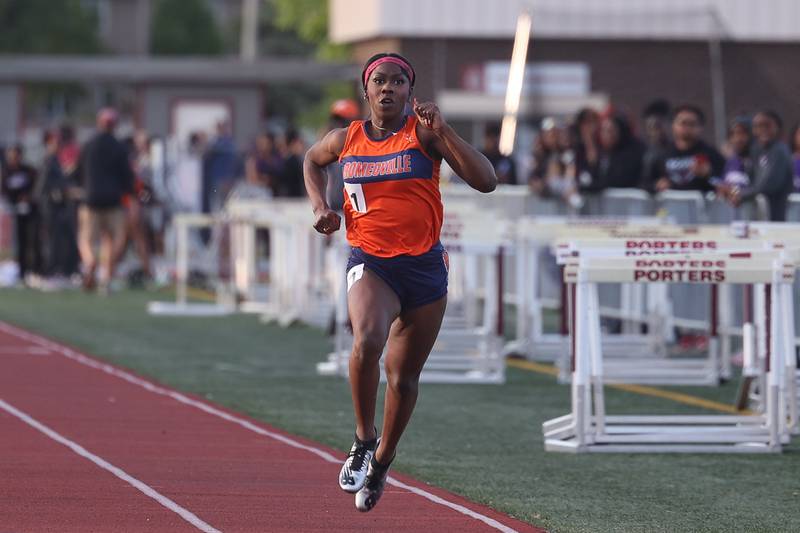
(754, 384)
(468, 348)
(471, 338)
(209, 261)
(653, 366)
(533, 239)
(637, 357)
(588, 428)
(297, 287)
(757, 236)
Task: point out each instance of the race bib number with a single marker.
(354, 274)
(356, 195)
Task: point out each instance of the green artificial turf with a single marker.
(481, 441)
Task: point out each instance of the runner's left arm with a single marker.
(467, 162)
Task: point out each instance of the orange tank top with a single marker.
(392, 201)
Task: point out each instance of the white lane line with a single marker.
(207, 408)
(456, 507)
(105, 465)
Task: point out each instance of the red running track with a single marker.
(85, 446)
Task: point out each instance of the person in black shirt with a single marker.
(17, 186)
(688, 163)
(293, 183)
(105, 174)
(619, 163)
(656, 136)
(57, 209)
(794, 146)
(585, 139)
(503, 165)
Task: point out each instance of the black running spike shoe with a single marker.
(354, 470)
(368, 496)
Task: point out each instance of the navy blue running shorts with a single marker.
(416, 279)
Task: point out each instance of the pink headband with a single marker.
(389, 59)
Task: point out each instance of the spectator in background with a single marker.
(149, 193)
(68, 151)
(186, 187)
(293, 184)
(739, 165)
(55, 193)
(17, 185)
(772, 167)
(263, 170)
(503, 165)
(135, 204)
(656, 120)
(252, 187)
(265, 164)
(221, 168)
(794, 140)
(688, 163)
(553, 172)
(585, 132)
(342, 113)
(619, 163)
(105, 174)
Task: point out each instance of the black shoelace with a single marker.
(358, 455)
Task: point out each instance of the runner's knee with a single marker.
(367, 348)
(401, 383)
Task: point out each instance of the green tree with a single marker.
(272, 40)
(184, 27)
(309, 20)
(47, 27)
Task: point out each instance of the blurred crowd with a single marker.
(85, 208)
(664, 150)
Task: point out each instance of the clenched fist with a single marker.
(327, 221)
(429, 115)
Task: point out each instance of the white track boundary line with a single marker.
(207, 408)
(105, 465)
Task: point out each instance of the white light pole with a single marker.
(717, 75)
(516, 77)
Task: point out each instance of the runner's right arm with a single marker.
(322, 154)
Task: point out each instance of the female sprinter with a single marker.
(397, 271)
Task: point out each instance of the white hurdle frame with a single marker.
(637, 357)
(298, 289)
(533, 235)
(468, 348)
(588, 428)
(785, 233)
(655, 368)
(224, 305)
